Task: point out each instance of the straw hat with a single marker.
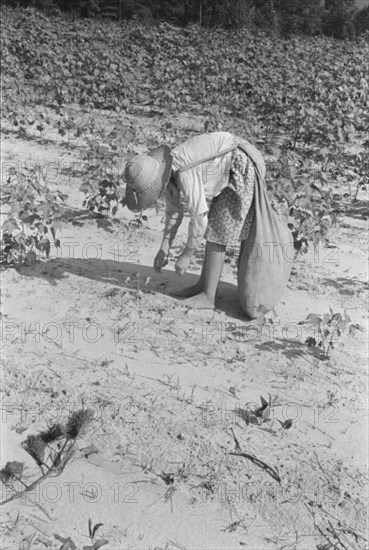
(147, 176)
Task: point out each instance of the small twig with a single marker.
(44, 476)
(344, 525)
(192, 393)
(335, 535)
(324, 536)
(269, 470)
(20, 481)
(25, 491)
(37, 528)
(177, 545)
(238, 447)
(321, 467)
(319, 430)
(154, 349)
(79, 358)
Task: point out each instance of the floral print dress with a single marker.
(232, 212)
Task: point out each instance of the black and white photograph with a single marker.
(184, 275)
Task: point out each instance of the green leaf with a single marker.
(68, 544)
(10, 225)
(310, 342)
(95, 529)
(314, 319)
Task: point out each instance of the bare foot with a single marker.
(188, 292)
(200, 301)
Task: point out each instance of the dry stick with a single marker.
(238, 446)
(346, 527)
(40, 479)
(165, 495)
(177, 545)
(30, 487)
(325, 536)
(241, 521)
(154, 349)
(319, 430)
(334, 533)
(321, 468)
(64, 355)
(125, 356)
(75, 357)
(255, 460)
(37, 528)
(54, 372)
(19, 481)
(27, 488)
(67, 457)
(269, 470)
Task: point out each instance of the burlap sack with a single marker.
(267, 255)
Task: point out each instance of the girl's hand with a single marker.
(161, 260)
(183, 262)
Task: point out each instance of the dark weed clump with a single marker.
(12, 470)
(35, 446)
(55, 432)
(78, 422)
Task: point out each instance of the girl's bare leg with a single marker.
(212, 270)
(190, 291)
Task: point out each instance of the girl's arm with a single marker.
(173, 215)
(196, 231)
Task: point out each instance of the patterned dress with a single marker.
(232, 212)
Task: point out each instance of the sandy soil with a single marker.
(170, 388)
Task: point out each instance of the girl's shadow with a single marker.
(126, 276)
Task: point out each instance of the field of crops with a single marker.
(129, 421)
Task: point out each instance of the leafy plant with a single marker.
(103, 198)
(78, 422)
(68, 544)
(34, 214)
(328, 329)
(259, 415)
(92, 532)
(101, 181)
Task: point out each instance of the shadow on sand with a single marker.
(291, 349)
(126, 274)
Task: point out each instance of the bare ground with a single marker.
(94, 326)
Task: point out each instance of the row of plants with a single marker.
(318, 86)
(302, 101)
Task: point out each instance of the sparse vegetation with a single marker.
(170, 419)
(328, 329)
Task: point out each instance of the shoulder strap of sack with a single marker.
(220, 154)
